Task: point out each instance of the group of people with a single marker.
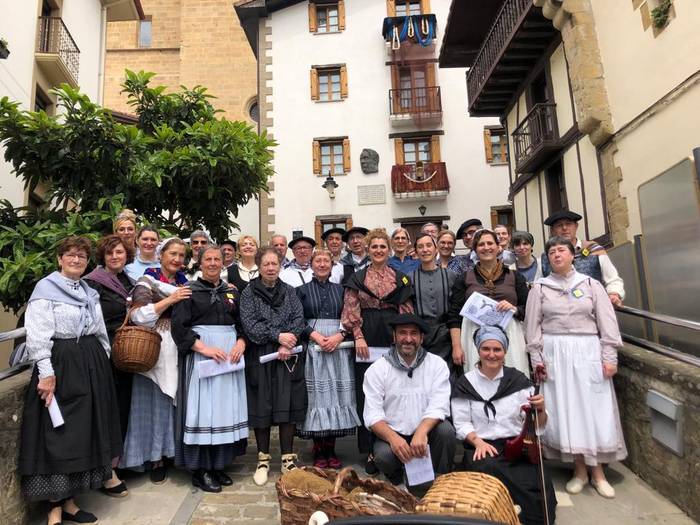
(361, 336)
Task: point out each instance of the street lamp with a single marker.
(422, 209)
(330, 185)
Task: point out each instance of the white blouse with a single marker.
(469, 416)
(402, 401)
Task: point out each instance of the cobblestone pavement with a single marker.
(177, 503)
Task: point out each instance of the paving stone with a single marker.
(261, 511)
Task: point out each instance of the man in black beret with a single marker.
(461, 263)
(333, 238)
(356, 259)
(298, 271)
(590, 258)
(407, 402)
(228, 249)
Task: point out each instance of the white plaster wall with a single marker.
(364, 118)
(83, 20)
(560, 85)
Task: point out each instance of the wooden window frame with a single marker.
(321, 220)
(489, 133)
(558, 194)
(391, 6)
(315, 82)
(400, 152)
(316, 6)
(317, 157)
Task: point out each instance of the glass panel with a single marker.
(145, 33)
(338, 169)
(325, 149)
(321, 20)
(424, 148)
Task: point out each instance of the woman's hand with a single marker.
(458, 355)
(46, 388)
(483, 450)
(504, 305)
(180, 294)
(332, 342)
(212, 352)
(237, 351)
(284, 353)
(287, 340)
(361, 348)
(537, 402)
(317, 338)
(609, 370)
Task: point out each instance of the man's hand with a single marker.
(401, 449)
(615, 299)
(457, 355)
(419, 445)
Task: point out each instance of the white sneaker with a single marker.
(575, 485)
(603, 488)
(260, 476)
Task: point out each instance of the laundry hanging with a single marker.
(420, 29)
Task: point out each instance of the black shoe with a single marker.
(223, 478)
(371, 467)
(118, 491)
(205, 481)
(79, 517)
(159, 475)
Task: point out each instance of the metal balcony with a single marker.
(535, 138)
(56, 54)
(411, 105)
(421, 181)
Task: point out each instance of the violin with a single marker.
(527, 442)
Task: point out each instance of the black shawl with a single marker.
(513, 381)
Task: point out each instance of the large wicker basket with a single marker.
(469, 494)
(135, 348)
(382, 499)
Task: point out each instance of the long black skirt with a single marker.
(276, 391)
(57, 463)
(521, 478)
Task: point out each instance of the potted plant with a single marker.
(3, 48)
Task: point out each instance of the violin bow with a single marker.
(540, 376)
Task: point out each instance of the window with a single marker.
(42, 102)
(326, 17)
(323, 223)
(145, 33)
(556, 188)
(408, 7)
(329, 83)
(331, 156)
(409, 150)
(496, 145)
(503, 215)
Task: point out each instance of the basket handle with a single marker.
(344, 473)
(128, 314)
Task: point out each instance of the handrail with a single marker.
(662, 349)
(662, 318)
(15, 370)
(13, 334)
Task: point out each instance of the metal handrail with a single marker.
(13, 334)
(662, 318)
(662, 349)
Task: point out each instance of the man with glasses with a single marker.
(462, 263)
(198, 240)
(299, 271)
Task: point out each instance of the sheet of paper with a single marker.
(266, 358)
(482, 310)
(375, 352)
(342, 346)
(55, 413)
(419, 470)
(210, 368)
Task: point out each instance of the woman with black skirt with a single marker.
(273, 319)
(66, 337)
(373, 297)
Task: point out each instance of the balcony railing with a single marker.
(53, 38)
(422, 181)
(536, 135)
(506, 24)
(415, 101)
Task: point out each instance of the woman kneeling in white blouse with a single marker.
(487, 411)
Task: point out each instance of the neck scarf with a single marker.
(108, 280)
(273, 296)
(157, 273)
(58, 288)
(513, 381)
(393, 357)
(296, 266)
(214, 291)
(490, 277)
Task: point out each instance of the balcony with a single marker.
(413, 37)
(56, 53)
(420, 181)
(535, 138)
(412, 106)
(517, 39)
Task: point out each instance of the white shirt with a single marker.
(612, 281)
(337, 273)
(469, 416)
(402, 401)
(294, 277)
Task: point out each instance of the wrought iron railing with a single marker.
(412, 178)
(415, 101)
(54, 38)
(536, 128)
(505, 25)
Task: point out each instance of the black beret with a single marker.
(302, 238)
(404, 319)
(562, 214)
(466, 224)
(355, 229)
(229, 242)
(325, 234)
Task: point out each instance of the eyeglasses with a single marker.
(79, 256)
(199, 242)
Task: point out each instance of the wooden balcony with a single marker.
(518, 38)
(535, 138)
(415, 105)
(56, 53)
(420, 182)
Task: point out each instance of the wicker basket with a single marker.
(135, 348)
(382, 499)
(469, 494)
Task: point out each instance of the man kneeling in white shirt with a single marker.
(407, 401)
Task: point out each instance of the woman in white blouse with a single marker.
(487, 411)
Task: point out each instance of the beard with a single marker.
(407, 349)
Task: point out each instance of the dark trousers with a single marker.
(442, 443)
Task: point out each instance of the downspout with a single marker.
(103, 53)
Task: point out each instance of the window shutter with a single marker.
(398, 151)
(318, 230)
(390, 7)
(487, 146)
(346, 155)
(312, 17)
(348, 223)
(435, 148)
(431, 83)
(314, 84)
(317, 157)
(341, 15)
(343, 82)
(425, 7)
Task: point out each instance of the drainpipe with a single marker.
(103, 52)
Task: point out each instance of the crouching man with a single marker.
(407, 401)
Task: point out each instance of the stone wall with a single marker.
(13, 508)
(674, 477)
